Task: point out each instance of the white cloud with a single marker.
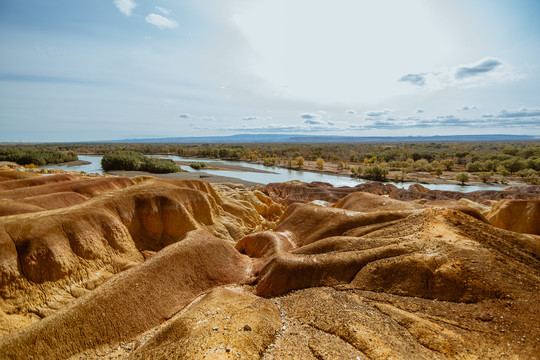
(483, 66)
(249, 118)
(482, 72)
(518, 113)
(377, 113)
(185, 116)
(309, 116)
(162, 10)
(469, 107)
(125, 6)
(420, 110)
(350, 112)
(161, 21)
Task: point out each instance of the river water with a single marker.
(278, 174)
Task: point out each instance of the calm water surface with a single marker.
(280, 175)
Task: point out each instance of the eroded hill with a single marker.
(172, 269)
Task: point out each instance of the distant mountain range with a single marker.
(291, 138)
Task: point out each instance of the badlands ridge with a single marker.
(148, 268)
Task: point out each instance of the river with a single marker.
(277, 175)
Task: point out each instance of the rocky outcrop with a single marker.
(63, 244)
(132, 302)
(366, 202)
(298, 192)
(517, 215)
(225, 323)
(171, 270)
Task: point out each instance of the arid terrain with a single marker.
(156, 268)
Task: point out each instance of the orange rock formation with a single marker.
(172, 269)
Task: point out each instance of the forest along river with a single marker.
(270, 174)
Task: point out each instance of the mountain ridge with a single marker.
(298, 138)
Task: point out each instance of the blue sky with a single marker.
(75, 70)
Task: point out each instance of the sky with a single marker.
(78, 70)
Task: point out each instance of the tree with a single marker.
(514, 164)
(474, 166)
(438, 172)
(320, 163)
(375, 172)
(462, 177)
(290, 163)
(485, 176)
(448, 164)
(299, 161)
(370, 160)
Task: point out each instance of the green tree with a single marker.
(375, 172)
(299, 161)
(448, 164)
(320, 163)
(485, 176)
(462, 177)
(514, 164)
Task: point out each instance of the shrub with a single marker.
(462, 177)
(269, 161)
(474, 166)
(290, 163)
(375, 172)
(123, 160)
(134, 161)
(421, 165)
(502, 170)
(514, 164)
(299, 161)
(526, 173)
(197, 165)
(320, 163)
(485, 176)
(448, 164)
(159, 166)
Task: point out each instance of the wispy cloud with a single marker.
(162, 10)
(185, 116)
(125, 6)
(280, 128)
(420, 110)
(309, 116)
(465, 75)
(350, 112)
(250, 118)
(378, 113)
(482, 67)
(44, 79)
(161, 22)
(518, 113)
(469, 107)
(415, 79)
(313, 122)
